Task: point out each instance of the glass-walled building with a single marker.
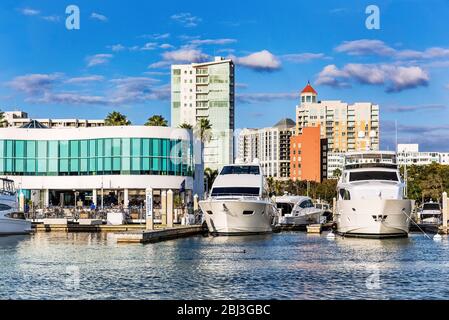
(116, 163)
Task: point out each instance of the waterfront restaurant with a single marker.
(107, 166)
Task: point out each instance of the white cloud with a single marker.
(166, 46)
(149, 46)
(394, 78)
(185, 55)
(223, 41)
(303, 57)
(266, 97)
(186, 19)
(99, 59)
(46, 88)
(365, 47)
(156, 36)
(414, 108)
(83, 80)
(30, 12)
(34, 84)
(99, 17)
(52, 18)
(260, 61)
(117, 47)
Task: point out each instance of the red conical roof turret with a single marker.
(308, 89)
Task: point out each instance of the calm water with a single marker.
(279, 266)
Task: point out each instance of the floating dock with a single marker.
(150, 236)
(73, 227)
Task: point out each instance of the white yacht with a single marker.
(430, 213)
(239, 202)
(371, 199)
(297, 211)
(11, 221)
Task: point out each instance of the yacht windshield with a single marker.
(431, 206)
(240, 170)
(373, 175)
(235, 191)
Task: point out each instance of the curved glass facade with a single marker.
(110, 156)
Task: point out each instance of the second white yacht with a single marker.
(11, 221)
(297, 211)
(371, 200)
(239, 202)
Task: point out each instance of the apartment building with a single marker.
(206, 91)
(270, 145)
(347, 127)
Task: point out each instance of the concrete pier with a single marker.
(151, 236)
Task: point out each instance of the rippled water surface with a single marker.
(290, 265)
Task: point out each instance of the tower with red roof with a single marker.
(308, 94)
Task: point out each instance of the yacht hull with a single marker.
(14, 226)
(301, 220)
(238, 217)
(374, 218)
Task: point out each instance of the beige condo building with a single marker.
(347, 127)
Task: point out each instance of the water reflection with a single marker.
(289, 265)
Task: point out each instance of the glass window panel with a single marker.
(83, 148)
(156, 147)
(83, 165)
(135, 164)
(126, 164)
(42, 165)
(107, 147)
(116, 147)
(63, 165)
(126, 147)
(20, 149)
(107, 163)
(74, 149)
(116, 164)
(9, 149)
(135, 147)
(146, 152)
(42, 149)
(53, 166)
(53, 149)
(92, 148)
(145, 164)
(64, 149)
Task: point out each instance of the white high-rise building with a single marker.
(206, 91)
(271, 146)
(347, 127)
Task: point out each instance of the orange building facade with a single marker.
(308, 155)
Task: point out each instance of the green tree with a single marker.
(337, 173)
(157, 121)
(209, 177)
(116, 119)
(186, 126)
(203, 130)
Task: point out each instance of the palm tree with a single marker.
(209, 177)
(116, 119)
(157, 121)
(186, 126)
(3, 122)
(203, 130)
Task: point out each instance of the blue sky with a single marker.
(120, 58)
